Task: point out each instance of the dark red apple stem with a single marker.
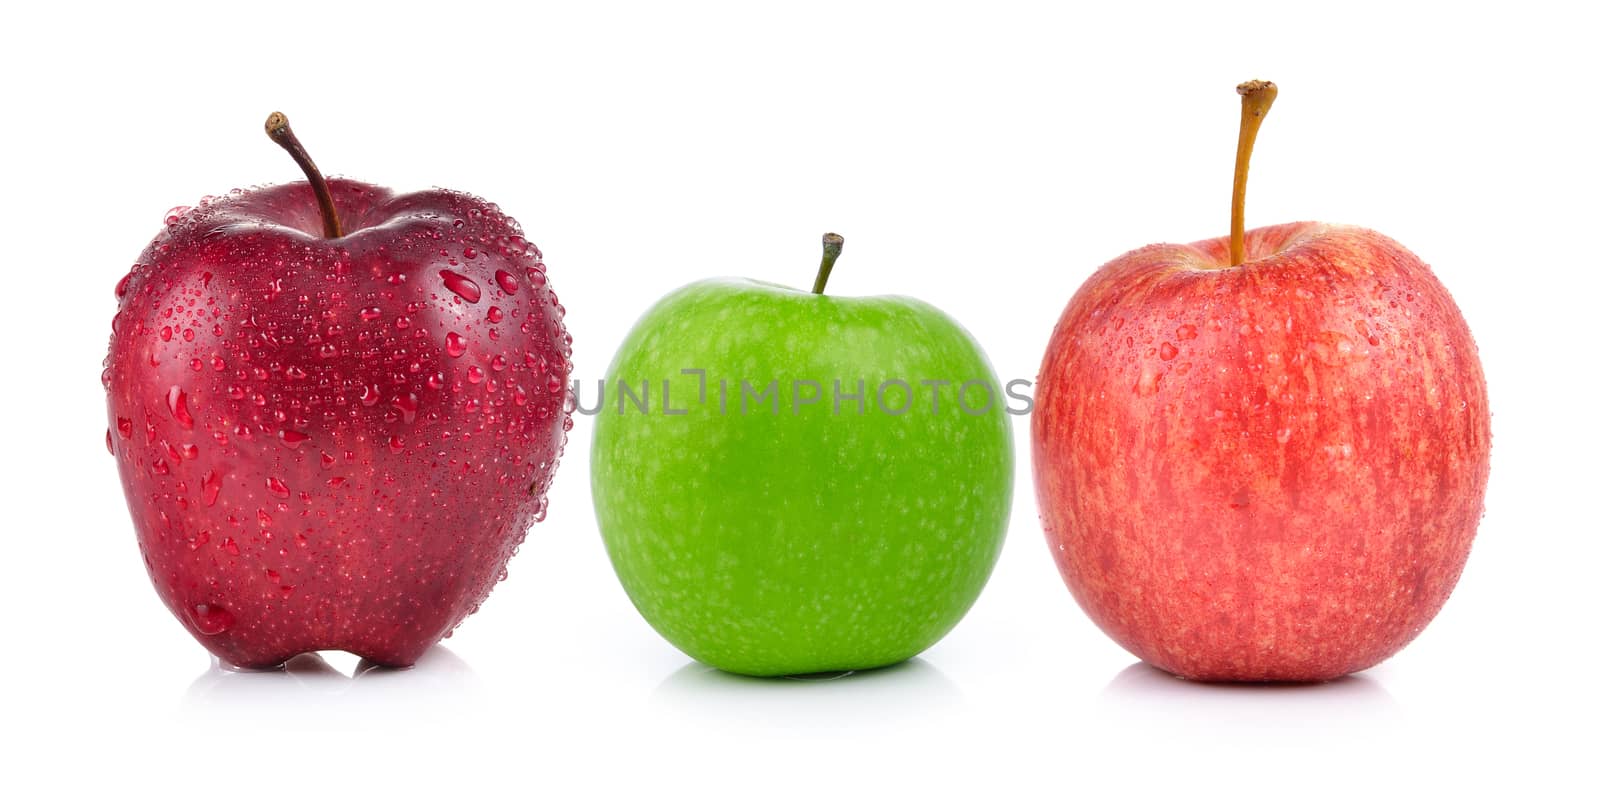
(832, 246)
(279, 131)
(1257, 99)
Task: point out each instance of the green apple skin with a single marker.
(804, 541)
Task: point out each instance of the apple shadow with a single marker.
(909, 690)
(441, 684)
(1149, 697)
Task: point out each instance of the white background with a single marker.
(983, 158)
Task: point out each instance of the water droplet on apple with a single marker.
(406, 405)
(210, 487)
(294, 373)
(474, 375)
(175, 215)
(369, 394)
(292, 437)
(495, 314)
(1149, 381)
(507, 281)
(536, 277)
(463, 286)
(125, 427)
(554, 384)
(327, 460)
(371, 312)
(211, 619)
(1187, 332)
(436, 381)
(178, 403)
(278, 488)
(1168, 351)
(396, 444)
(230, 546)
(455, 345)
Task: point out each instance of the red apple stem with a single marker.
(832, 246)
(279, 131)
(1257, 99)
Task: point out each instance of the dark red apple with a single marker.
(335, 410)
(1262, 457)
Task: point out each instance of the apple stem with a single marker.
(1257, 99)
(278, 130)
(832, 246)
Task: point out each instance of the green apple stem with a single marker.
(278, 130)
(832, 246)
(1257, 99)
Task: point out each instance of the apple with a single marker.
(811, 484)
(335, 410)
(1262, 457)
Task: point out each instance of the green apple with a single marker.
(789, 482)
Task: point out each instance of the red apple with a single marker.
(335, 410)
(1262, 457)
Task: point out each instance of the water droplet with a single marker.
(166, 333)
(230, 546)
(159, 466)
(396, 444)
(294, 373)
(461, 285)
(369, 394)
(278, 488)
(406, 405)
(122, 285)
(495, 314)
(178, 402)
(536, 277)
(554, 384)
(292, 438)
(474, 375)
(211, 619)
(109, 448)
(1187, 332)
(436, 381)
(174, 215)
(371, 312)
(1149, 381)
(210, 487)
(327, 460)
(507, 281)
(470, 253)
(125, 427)
(402, 323)
(455, 345)
(1168, 351)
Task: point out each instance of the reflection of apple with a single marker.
(805, 532)
(1262, 457)
(335, 410)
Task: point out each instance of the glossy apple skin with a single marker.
(1271, 472)
(334, 443)
(801, 541)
